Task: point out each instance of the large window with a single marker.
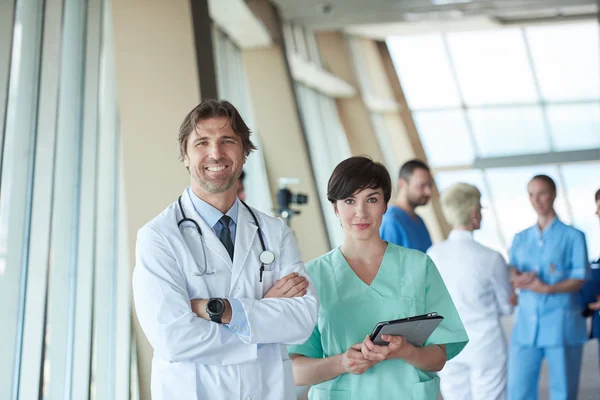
(325, 135)
(232, 86)
(508, 98)
(64, 270)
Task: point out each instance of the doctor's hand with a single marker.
(292, 285)
(398, 348)
(353, 361)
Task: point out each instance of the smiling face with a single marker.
(214, 156)
(361, 213)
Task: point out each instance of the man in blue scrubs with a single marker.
(401, 225)
(549, 266)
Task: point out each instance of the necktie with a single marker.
(225, 236)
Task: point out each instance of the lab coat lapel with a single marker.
(211, 241)
(244, 239)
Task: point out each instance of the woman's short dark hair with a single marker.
(355, 174)
(598, 195)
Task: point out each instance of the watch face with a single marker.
(215, 306)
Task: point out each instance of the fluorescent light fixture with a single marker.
(446, 2)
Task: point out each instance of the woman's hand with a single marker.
(398, 348)
(532, 282)
(353, 361)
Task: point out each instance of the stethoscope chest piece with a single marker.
(267, 257)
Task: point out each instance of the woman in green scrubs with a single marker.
(366, 281)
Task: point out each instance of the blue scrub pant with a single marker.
(564, 365)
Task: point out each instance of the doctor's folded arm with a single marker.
(220, 288)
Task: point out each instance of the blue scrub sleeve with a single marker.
(311, 348)
(579, 262)
(393, 232)
(451, 331)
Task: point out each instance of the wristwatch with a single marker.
(215, 309)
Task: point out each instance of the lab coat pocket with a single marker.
(427, 390)
(322, 394)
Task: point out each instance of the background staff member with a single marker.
(550, 265)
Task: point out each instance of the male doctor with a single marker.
(218, 317)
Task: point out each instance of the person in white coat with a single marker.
(477, 279)
(219, 288)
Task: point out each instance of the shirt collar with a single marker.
(555, 221)
(460, 234)
(209, 214)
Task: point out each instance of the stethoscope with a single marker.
(266, 257)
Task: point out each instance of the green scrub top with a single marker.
(407, 284)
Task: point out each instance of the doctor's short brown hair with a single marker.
(215, 109)
(355, 174)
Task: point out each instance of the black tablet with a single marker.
(415, 329)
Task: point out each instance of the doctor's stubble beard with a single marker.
(215, 186)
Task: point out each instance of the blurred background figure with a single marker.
(401, 225)
(241, 191)
(590, 293)
(478, 281)
(549, 265)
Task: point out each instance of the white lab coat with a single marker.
(477, 279)
(199, 359)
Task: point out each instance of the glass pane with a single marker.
(509, 191)
(509, 131)
(492, 67)
(581, 181)
(445, 137)
(566, 59)
(424, 71)
(575, 126)
(488, 235)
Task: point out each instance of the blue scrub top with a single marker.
(589, 291)
(554, 254)
(401, 228)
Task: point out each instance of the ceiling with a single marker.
(345, 14)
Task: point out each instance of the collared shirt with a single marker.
(211, 216)
(555, 254)
(401, 228)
